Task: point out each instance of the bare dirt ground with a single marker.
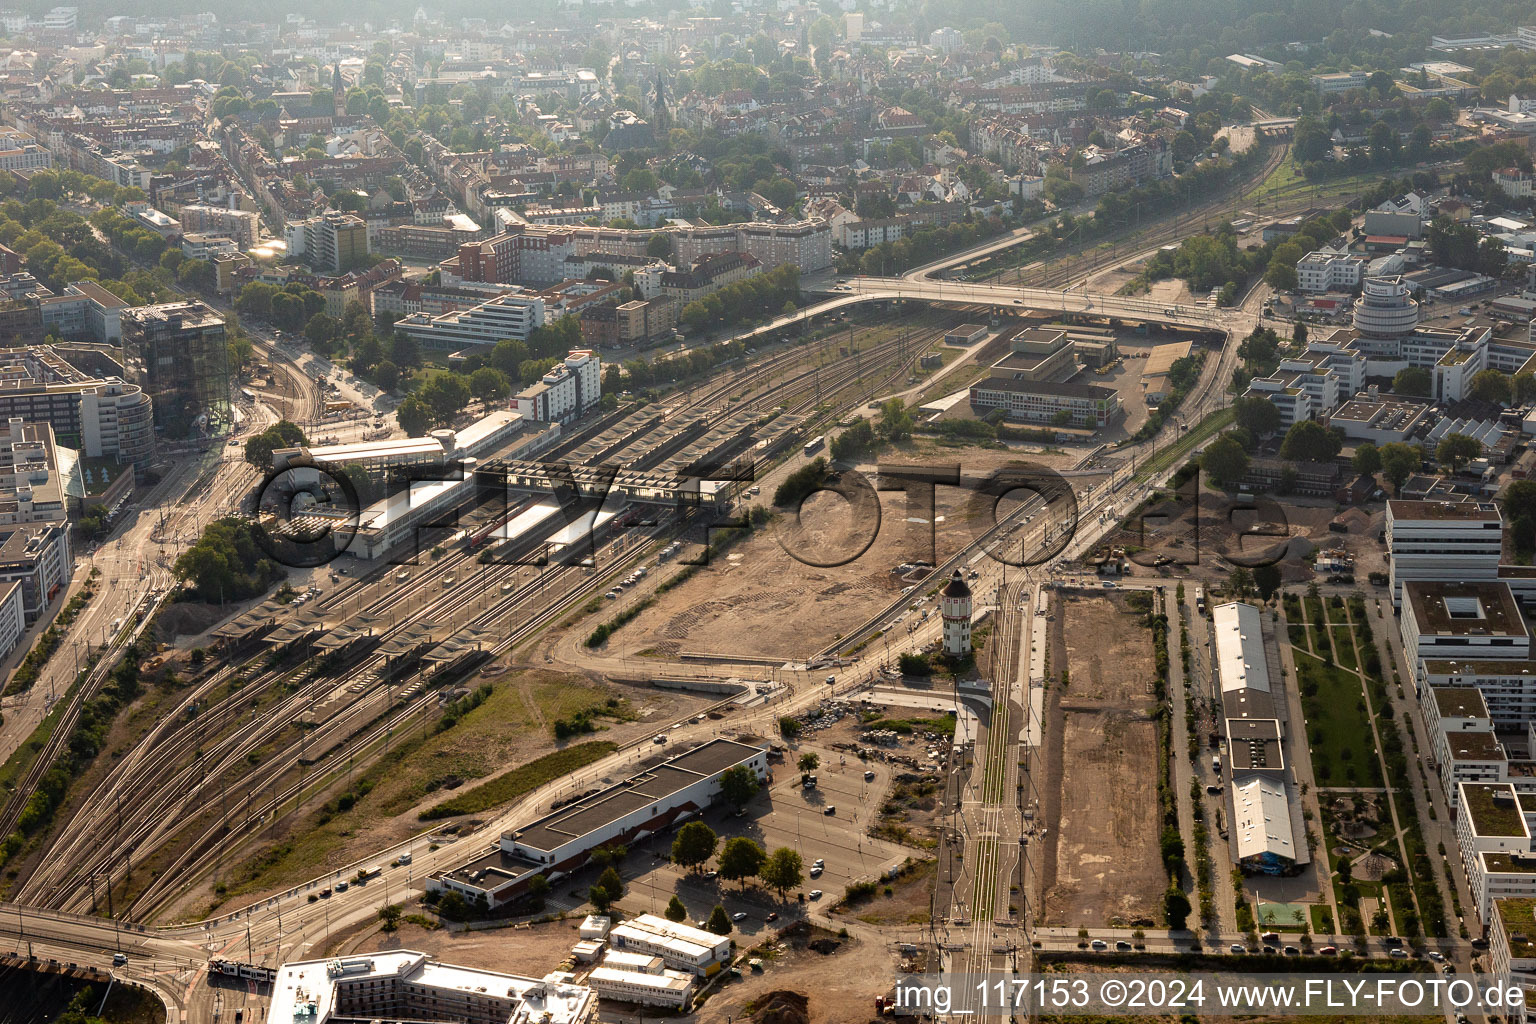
(910, 804)
(760, 601)
(1102, 864)
(1215, 528)
(841, 985)
(533, 951)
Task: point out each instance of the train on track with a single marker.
(235, 969)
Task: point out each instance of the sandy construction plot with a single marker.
(1102, 864)
(759, 601)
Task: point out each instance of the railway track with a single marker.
(76, 700)
(157, 791)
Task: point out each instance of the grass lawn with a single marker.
(513, 726)
(1197, 434)
(523, 779)
(1344, 647)
(1315, 624)
(1322, 920)
(1337, 728)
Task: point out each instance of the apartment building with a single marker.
(21, 152)
(243, 227)
(566, 391)
(512, 315)
(1440, 540)
(332, 241)
(98, 416)
(38, 557)
(1327, 270)
(1477, 620)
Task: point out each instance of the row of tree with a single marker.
(763, 294)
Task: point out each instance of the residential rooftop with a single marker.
(1460, 701)
(1493, 809)
(1475, 746)
(1477, 511)
(1464, 609)
(1518, 918)
(1514, 864)
(1477, 667)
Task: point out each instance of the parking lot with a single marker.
(784, 814)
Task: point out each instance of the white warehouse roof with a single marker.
(1240, 648)
(1263, 819)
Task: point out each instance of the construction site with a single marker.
(1100, 862)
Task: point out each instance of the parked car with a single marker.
(739, 916)
(1098, 944)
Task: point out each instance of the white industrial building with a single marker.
(680, 946)
(643, 978)
(657, 798)
(409, 985)
(481, 438)
(1265, 818)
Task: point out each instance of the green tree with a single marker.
(389, 917)
(1490, 386)
(1175, 907)
(809, 762)
(1240, 582)
(738, 785)
(1457, 450)
(489, 385)
(322, 330)
(1412, 381)
(538, 891)
(675, 910)
(1399, 461)
(659, 246)
(740, 859)
(446, 395)
(1266, 579)
(282, 434)
(1522, 388)
(414, 416)
(1367, 459)
(693, 845)
(612, 884)
(1519, 501)
(1225, 460)
(1310, 441)
(600, 898)
(1256, 415)
(719, 921)
(782, 871)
